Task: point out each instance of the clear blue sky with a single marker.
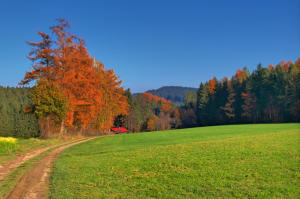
(151, 44)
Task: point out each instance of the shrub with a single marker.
(8, 145)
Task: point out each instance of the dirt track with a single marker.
(11, 165)
(34, 184)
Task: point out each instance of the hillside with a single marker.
(173, 93)
(233, 161)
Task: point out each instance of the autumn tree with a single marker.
(147, 109)
(212, 86)
(176, 121)
(94, 95)
(153, 123)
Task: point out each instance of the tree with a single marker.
(13, 121)
(190, 99)
(202, 100)
(249, 106)
(293, 92)
(152, 123)
(188, 118)
(212, 86)
(50, 105)
(94, 95)
(228, 108)
(176, 122)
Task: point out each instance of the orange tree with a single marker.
(93, 95)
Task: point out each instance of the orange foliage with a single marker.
(297, 63)
(176, 114)
(148, 97)
(166, 105)
(285, 65)
(240, 75)
(114, 101)
(212, 86)
(151, 124)
(94, 94)
(271, 67)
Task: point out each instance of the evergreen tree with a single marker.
(202, 100)
(228, 108)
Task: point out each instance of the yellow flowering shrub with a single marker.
(8, 144)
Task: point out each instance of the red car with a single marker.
(119, 130)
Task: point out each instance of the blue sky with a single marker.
(151, 44)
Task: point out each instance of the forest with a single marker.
(74, 94)
(266, 95)
(13, 121)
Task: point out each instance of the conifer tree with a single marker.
(228, 108)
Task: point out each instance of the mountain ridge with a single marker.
(173, 93)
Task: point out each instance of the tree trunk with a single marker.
(62, 129)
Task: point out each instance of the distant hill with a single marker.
(173, 93)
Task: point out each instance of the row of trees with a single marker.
(269, 94)
(13, 121)
(73, 92)
(149, 113)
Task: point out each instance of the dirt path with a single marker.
(34, 184)
(11, 165)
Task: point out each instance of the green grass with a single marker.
(24, 145)
(236, 161)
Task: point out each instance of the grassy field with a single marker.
(236, 161)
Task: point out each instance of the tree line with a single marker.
(149, 112)
(73, 93)
(270, 94)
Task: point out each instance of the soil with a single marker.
(35, 183)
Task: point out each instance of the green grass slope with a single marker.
(236, 161)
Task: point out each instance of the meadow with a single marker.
(232, 161)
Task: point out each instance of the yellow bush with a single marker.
(8, 144)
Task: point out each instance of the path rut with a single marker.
(11, 165)
(34, 184)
